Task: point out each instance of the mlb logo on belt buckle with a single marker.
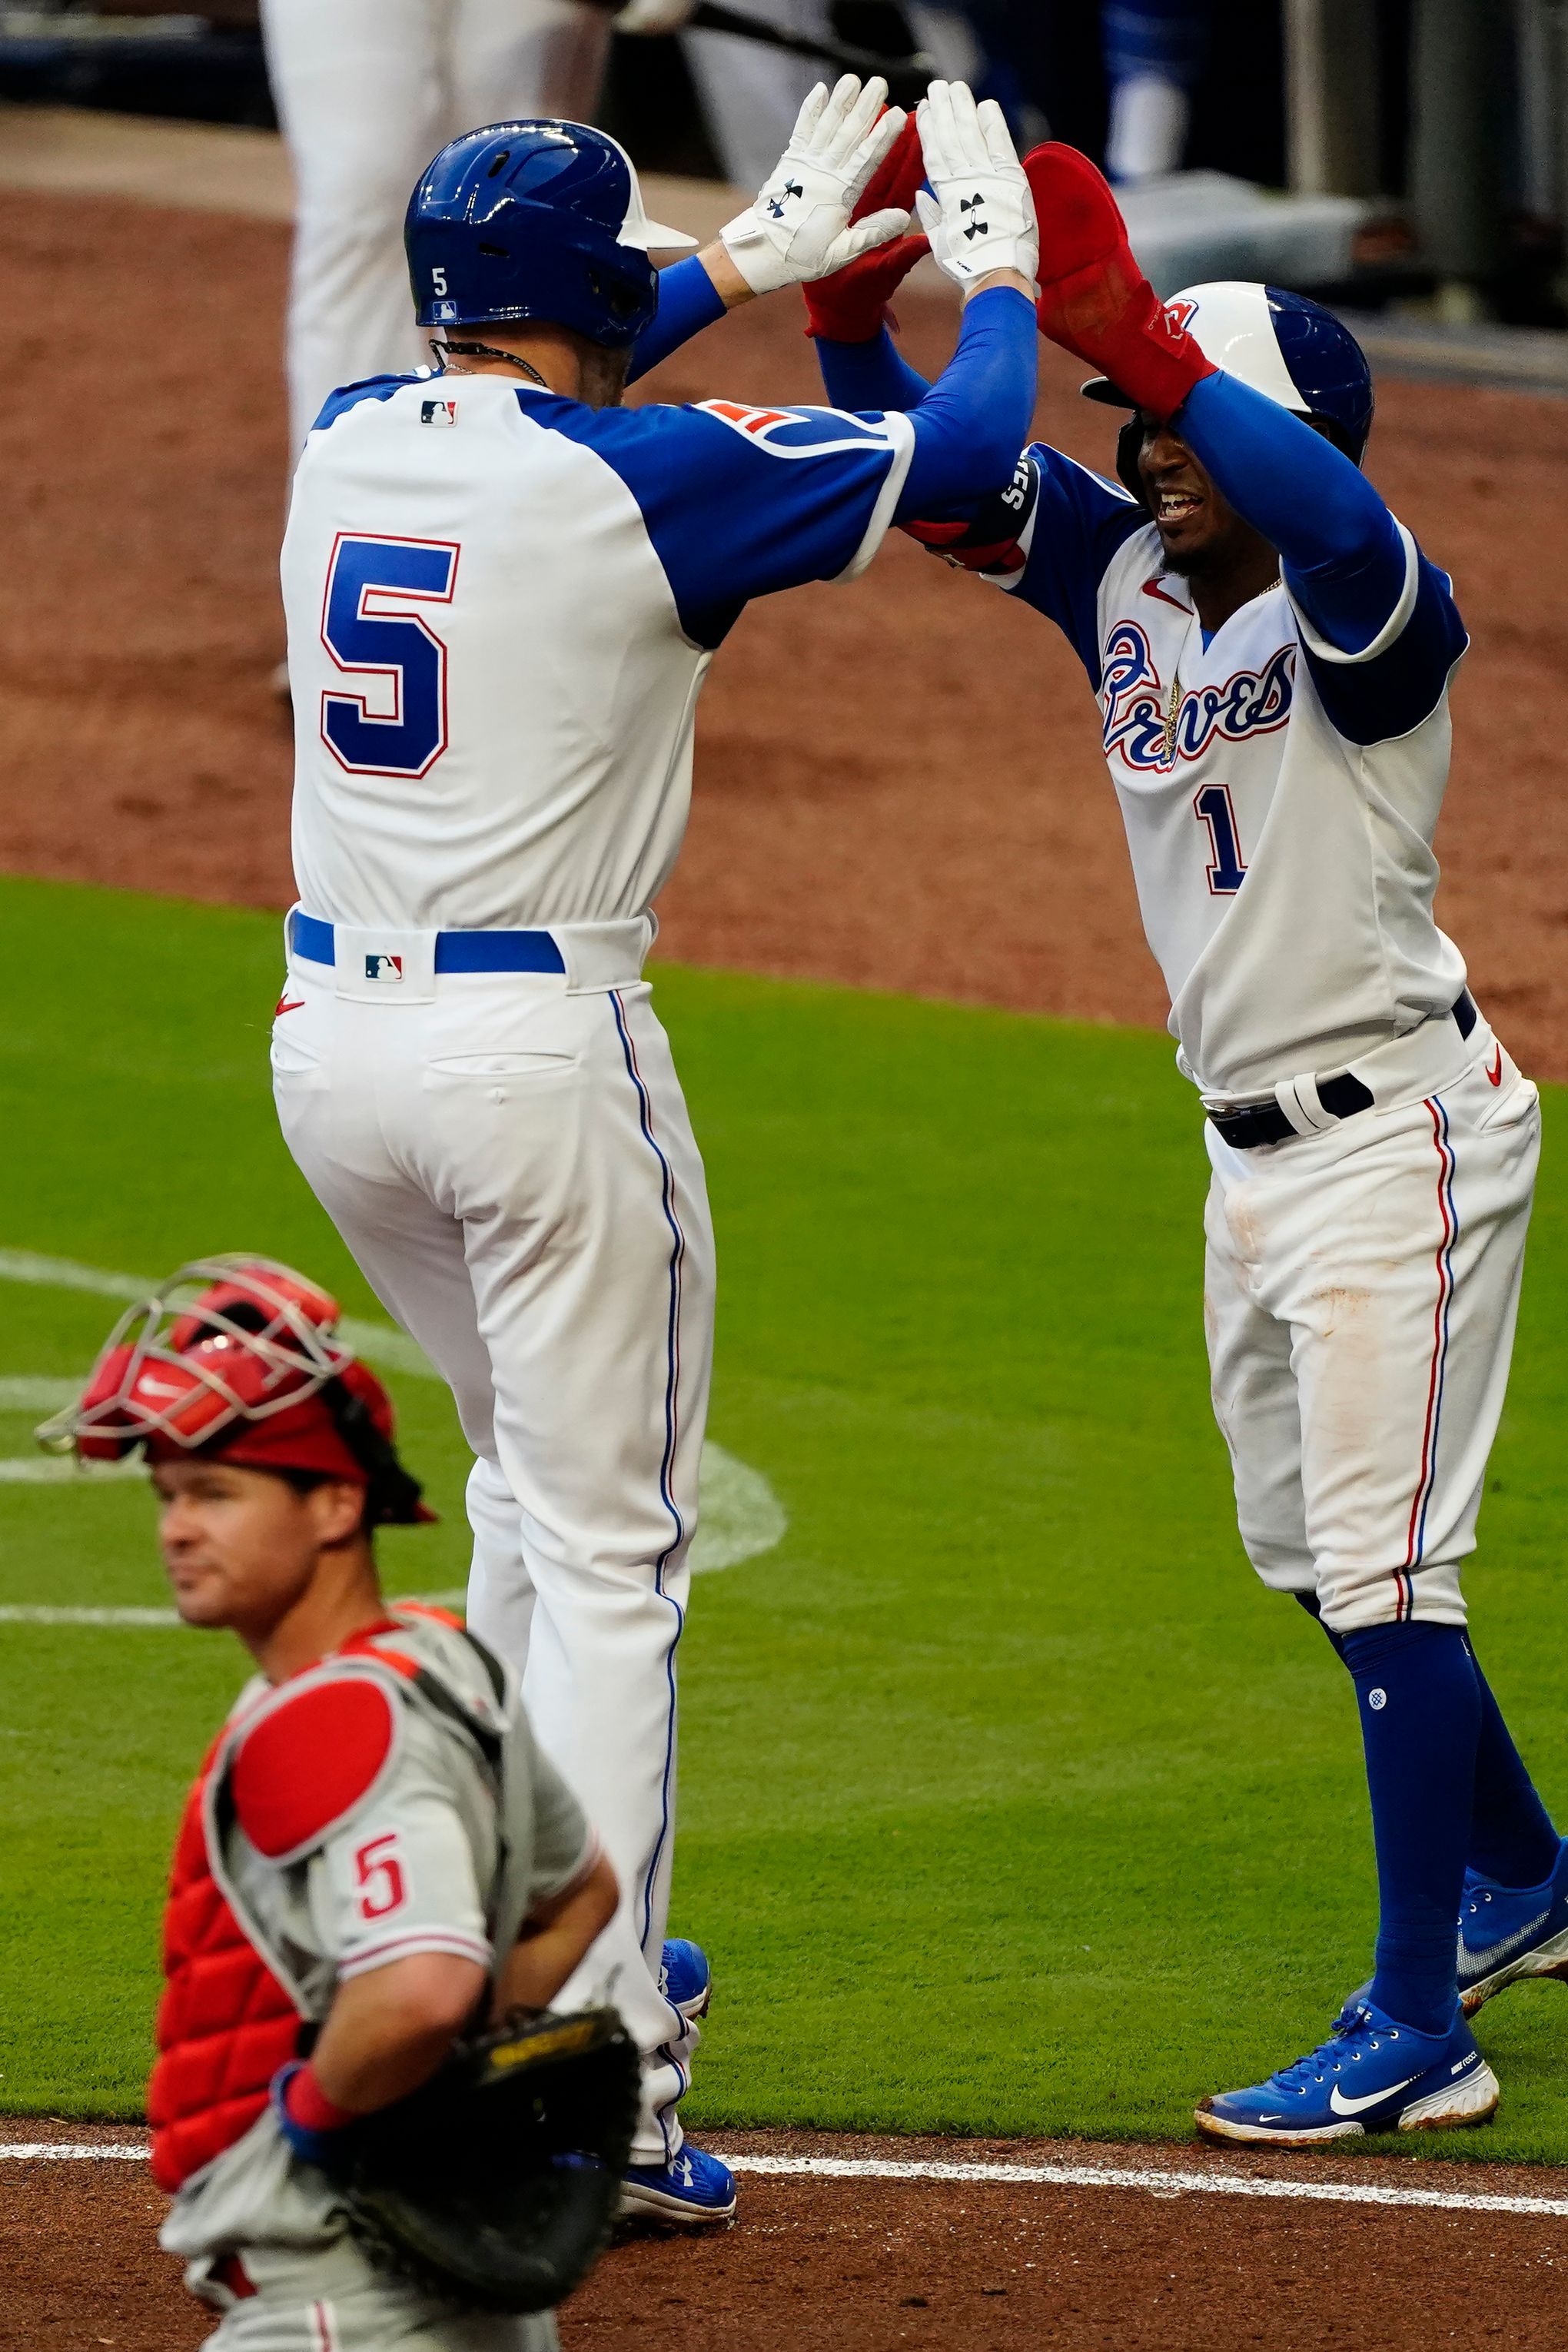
(437, 412)
(384, 968)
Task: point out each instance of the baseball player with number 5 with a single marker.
(1272, 651)
(503, 593)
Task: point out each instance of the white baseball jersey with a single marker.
(501, 606)
(1279, 797)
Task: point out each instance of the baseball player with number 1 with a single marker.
(1271, 652)
(503, 593)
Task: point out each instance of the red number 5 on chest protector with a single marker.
(379, 1874)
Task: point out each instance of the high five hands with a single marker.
(841, 192)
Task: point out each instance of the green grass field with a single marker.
(1011, 1803)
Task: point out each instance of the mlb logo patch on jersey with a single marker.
(437, 412)
(385, 968)
(798, 432)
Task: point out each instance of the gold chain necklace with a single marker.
(1174, 712)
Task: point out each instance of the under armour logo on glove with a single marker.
(975, 227)
(776, 203)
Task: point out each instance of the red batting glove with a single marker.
(852, 306)
(1094, 299)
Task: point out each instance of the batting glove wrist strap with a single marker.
(801, 226)
(978, 212)
(1094, 299)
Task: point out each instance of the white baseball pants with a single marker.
(367, 92)
(380, 2316)
(750, 95)
(1362, 1290)
(512, 1166)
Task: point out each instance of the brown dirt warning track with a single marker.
(898, 784)
(894, 2265)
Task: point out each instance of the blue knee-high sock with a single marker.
(1513, 1839)
(1420, 1704)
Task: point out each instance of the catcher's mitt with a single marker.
(497, 2185)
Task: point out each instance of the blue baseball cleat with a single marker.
(1371, 2075)
(1509, 1933)
(685, 1977)
(691, 2188)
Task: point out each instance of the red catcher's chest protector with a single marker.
(226, 2024)
(294, 1766)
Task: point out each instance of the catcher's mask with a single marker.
(238, 1358)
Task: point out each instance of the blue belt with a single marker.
(454, 950)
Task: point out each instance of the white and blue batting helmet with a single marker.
(1284, 345)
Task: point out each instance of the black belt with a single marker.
(1341, 1097)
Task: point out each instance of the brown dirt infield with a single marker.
(879, 2266)
(899, 783)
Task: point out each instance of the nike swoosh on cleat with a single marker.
(1343, 2106)
(1492, 1956)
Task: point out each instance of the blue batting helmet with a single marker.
(535, 220)
(1281, 344)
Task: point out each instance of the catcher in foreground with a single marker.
(374, 2132)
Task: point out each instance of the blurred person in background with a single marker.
(367, 92)
(750, 94)
(1153, 54)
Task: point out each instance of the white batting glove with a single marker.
(654, 15)
(982, 216)
(799, 228)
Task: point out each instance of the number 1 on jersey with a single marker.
(1226, 872)
(398, 725)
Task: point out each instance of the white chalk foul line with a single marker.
(1006, 2176)
(1157, 2183)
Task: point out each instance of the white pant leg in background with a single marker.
(367, 92)
(511, 58)
(750, 95)
(1361, 1295)
(513, 1169)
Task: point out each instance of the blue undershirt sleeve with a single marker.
(869, 376)
(687, 302)
(974, 420)
(1343, 556)
(1380, 628)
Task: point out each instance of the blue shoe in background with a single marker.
(692, 2188)
(1373, 2074)
(1507, 1933)
(685, 1977)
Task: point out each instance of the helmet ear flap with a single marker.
(1129, 442)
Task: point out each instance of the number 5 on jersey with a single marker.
(396, 724)
(378, 1876)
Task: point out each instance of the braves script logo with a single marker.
(1138, 721)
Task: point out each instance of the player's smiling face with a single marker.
(1193, 521)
